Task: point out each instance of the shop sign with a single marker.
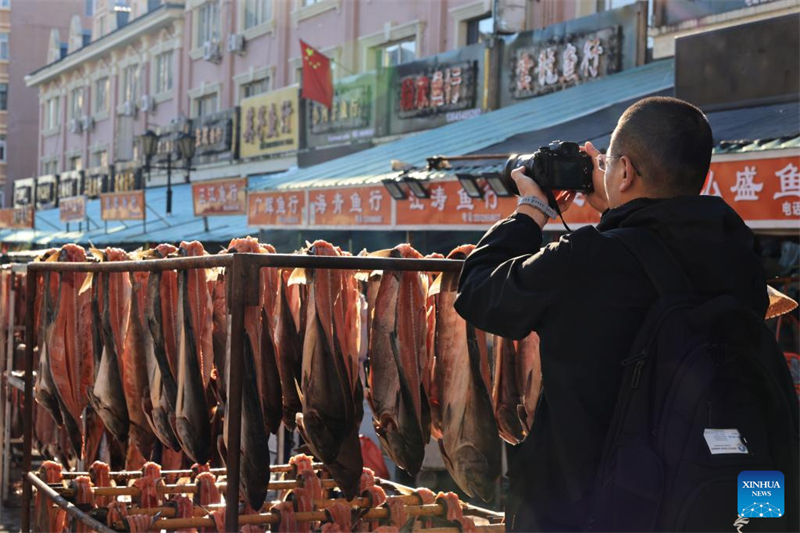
(449, 207)
(351, 118)
(97, 181)
(46, 192)
(127, 177)
(16, 218)
(24, 192)
(563, 55)
(355, 206)
(72, 209)
(214, 138)
(764, 192)
(559, 64)
(70, 184)
(276, 208)
(437, 90)
(269, 123)
(122, 205)
(167, 144)
(220, 197)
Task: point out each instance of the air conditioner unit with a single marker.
(87, 123)
(129, 108)
(211, 51)
(75, 126)
(236, 43)
(147, 104)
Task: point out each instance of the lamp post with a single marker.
(186, 149)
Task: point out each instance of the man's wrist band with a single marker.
(542, 206)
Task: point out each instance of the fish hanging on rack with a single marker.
(398, 361)
(195, 358)
(161, 305)
(331, 391)
(69, 344)
(289, 332)
(44, 318)
(111, 302)
(470, 444)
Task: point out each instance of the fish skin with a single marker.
(108, 396)
(192, 420)
(45, 387)
(470, 443)
(529, 372)
(137, 383)
(506, 396)
(220, 332)
(69, 351)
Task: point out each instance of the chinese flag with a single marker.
(317, 83)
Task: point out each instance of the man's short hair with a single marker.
(669, 142)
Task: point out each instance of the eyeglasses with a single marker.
(602, 160)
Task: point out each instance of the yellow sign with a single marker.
(269, 123)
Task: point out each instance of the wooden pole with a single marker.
(135, 474)
(72, 510)
(27, 414)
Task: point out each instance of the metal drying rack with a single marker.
(242, 274)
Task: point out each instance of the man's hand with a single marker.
(597, 199)
(528, 187)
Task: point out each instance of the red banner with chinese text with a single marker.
(220, 197)
(16, 218)
(765, 192)
(354, 206)
(128, 205)
(276, 208)
(72, 209)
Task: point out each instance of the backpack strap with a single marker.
(664, 271)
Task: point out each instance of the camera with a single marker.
(560, 166)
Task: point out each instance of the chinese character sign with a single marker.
(542, 68)
(122, 206)
(16, 218)
(437, 89)
(220, 197)
(269, 123)
(765, 192)
(46, 192)
(276, 208)
(72, 209)
(355, 206)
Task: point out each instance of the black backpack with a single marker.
(696, 364)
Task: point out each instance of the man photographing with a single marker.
(587, 296)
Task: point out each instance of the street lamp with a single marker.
(149, 142)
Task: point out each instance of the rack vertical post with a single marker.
(27, 432)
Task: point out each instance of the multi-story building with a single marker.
(150, 63)
(27, 28)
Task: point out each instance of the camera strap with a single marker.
(551, 199)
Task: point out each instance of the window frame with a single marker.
(77, 91)
(198, 101)
(383, 50)
(5, 4)
(3, 149)
(129, 85)
(159, 87)
(106, 101)
(266, 13)
(5, 45)
(4, 96)
(201, 27)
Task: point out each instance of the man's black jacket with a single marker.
(586, 296)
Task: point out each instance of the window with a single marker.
(130, 79)
(101, 95)
(257, 12)
(52, 117)
(4, 45)
(89, 8)
(479, 29)
(76, 163)
(3, 97)
(164, 72)
(207, 23)
(101, 26)
(100, 158)
(397, 53)
(307, 3)
(2, 148)
(5, 4)
(206, 105)
(255, 87)
(50, 167)
(76, 103)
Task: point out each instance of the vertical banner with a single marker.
(122, 206)
(220, 197)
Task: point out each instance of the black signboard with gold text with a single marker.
(70, 184)
(215, 137)
(127, 177)
(46, 192)
(24, 192)
(97, 181)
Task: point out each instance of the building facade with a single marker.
(152, 63)
(27, 27)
